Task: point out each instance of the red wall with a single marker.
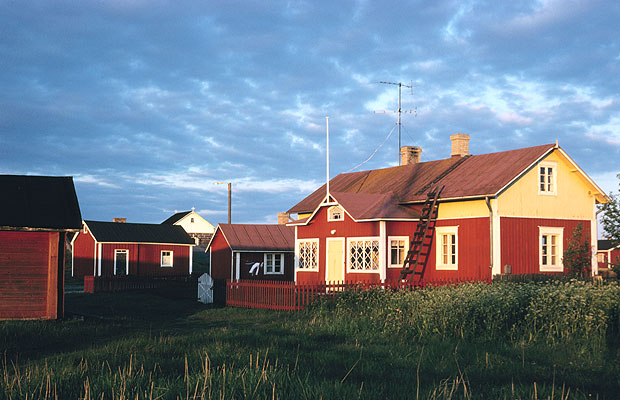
(31, 275)
(221, 257)
(289, 267)
(144, 258)
(83, 254)
(473, 236)
(519, 241)
(320, 228)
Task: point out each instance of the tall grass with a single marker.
(512, 341)
(553, 312)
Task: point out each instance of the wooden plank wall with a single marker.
(25, 285)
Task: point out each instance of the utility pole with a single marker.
(400, 111)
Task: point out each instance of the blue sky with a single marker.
(148, 103)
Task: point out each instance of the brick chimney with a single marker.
(283, 218)
(122, 220)
(410, 155)
(460, 145)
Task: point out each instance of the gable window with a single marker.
(308, 254)
(550, 249)
(121, 262)
(274, 263)
(166, 258)
(547, 180)
(191, 220)
(447, 250)
(364, 254)
(398, 250)
(335, 213)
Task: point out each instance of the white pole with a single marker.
(327, 127)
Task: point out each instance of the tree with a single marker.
(611, 217)
(577, 260)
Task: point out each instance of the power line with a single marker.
(374, 152)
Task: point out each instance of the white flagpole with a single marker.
(327, 173)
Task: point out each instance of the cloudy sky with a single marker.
(148, 103)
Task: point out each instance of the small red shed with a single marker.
(249, 251)
(607, 253)
(119, 248)
(36, 212)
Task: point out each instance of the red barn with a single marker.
(118, 248)
(506, 212)
(248, 251)
(36, 212)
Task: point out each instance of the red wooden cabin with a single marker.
(607, 253)
(118, 248)
(36, 212)
(506, 212)
(248, 251)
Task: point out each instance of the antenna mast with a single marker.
(400, 111)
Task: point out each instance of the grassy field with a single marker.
(513, 341)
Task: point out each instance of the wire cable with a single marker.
(374, 152)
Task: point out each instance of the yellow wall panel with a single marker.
(463, 209)
(573, 200)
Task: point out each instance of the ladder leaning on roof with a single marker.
(420, 246)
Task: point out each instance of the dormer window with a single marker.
(335, 213)
(547, 178)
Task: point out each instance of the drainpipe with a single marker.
(488, 202)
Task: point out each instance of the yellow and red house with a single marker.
(506, 212)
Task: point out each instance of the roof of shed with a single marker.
(469, 176)
(39, 203)
(176, 217)
(606, 244)
(121, 232)
(255, 237)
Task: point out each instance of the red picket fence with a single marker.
(289, 296)
(122, 283)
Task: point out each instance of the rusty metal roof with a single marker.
(259, 237)
(470, 176)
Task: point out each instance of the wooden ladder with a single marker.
(420, 245)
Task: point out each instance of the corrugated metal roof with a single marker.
(259, 237)
(39, 202)
(176, 217)
(470, 176)
(119, 232)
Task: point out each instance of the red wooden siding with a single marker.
(83, 255)
(144, 258)
(221, 257)
(320, 228)
(519, 241)
(31, 275)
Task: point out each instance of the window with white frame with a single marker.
(274, 263)
(308, 254)
(398, 250)
(550, 248)
(166, 258)
(364, 254)
(547, 180)
(335, 213)
(121, 261)
(447, 250)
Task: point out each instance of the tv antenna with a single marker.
(400, 110)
